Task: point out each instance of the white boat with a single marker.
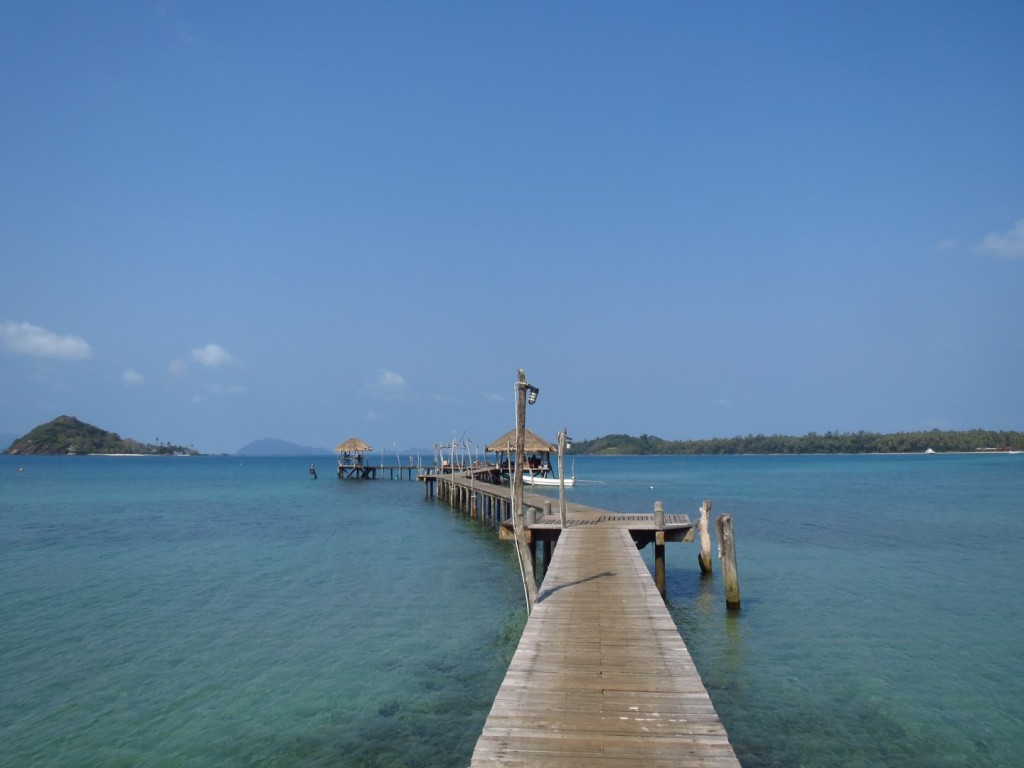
(531, 479)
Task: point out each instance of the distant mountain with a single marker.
(270, 446)
(6, 438)
(68, 435)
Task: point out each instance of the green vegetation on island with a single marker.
(975, 440)
(67, 435)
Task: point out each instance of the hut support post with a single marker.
(727, 554)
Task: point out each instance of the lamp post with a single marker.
(564, 443)
(525, 392)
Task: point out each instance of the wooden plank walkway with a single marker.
(601, 676)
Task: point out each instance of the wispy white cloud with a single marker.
(1005, 245)
(177, 27)
(132, 378)
(390, 381)
(28, 339)
(211, 355)
(386, 385)
(177, 367)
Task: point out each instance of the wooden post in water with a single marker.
(703, 528)
(659, 547)
(727, 554)
(531, 520)
(472, 491)
(563, 439)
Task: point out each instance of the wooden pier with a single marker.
(375, 472)
(601, 676)
(493, 505)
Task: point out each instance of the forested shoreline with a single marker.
(975, 440)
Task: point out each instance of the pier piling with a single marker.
(727, 554)
(704, 556)
(659, 547)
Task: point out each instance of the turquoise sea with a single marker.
(228, 611)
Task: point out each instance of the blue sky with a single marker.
(222, 221)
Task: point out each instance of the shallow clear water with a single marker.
(882, 603)
(231, 611)
(234, 612)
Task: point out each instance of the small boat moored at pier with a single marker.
(529, 478)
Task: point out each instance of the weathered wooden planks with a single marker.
(601, 675)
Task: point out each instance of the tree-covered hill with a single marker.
(830, 442)
(68, 435)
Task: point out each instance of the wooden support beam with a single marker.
(659, 561)
(659, 547)
(727, 554)
(704, 556)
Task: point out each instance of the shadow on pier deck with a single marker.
(601, 676)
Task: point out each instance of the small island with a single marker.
(66, 435)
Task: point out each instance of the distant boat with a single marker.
(929, 451)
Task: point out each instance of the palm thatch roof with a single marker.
(352, 444)
(533, 443)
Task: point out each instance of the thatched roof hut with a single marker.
(352, 445)
(533, 443)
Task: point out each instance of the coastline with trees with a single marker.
(937, 441)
